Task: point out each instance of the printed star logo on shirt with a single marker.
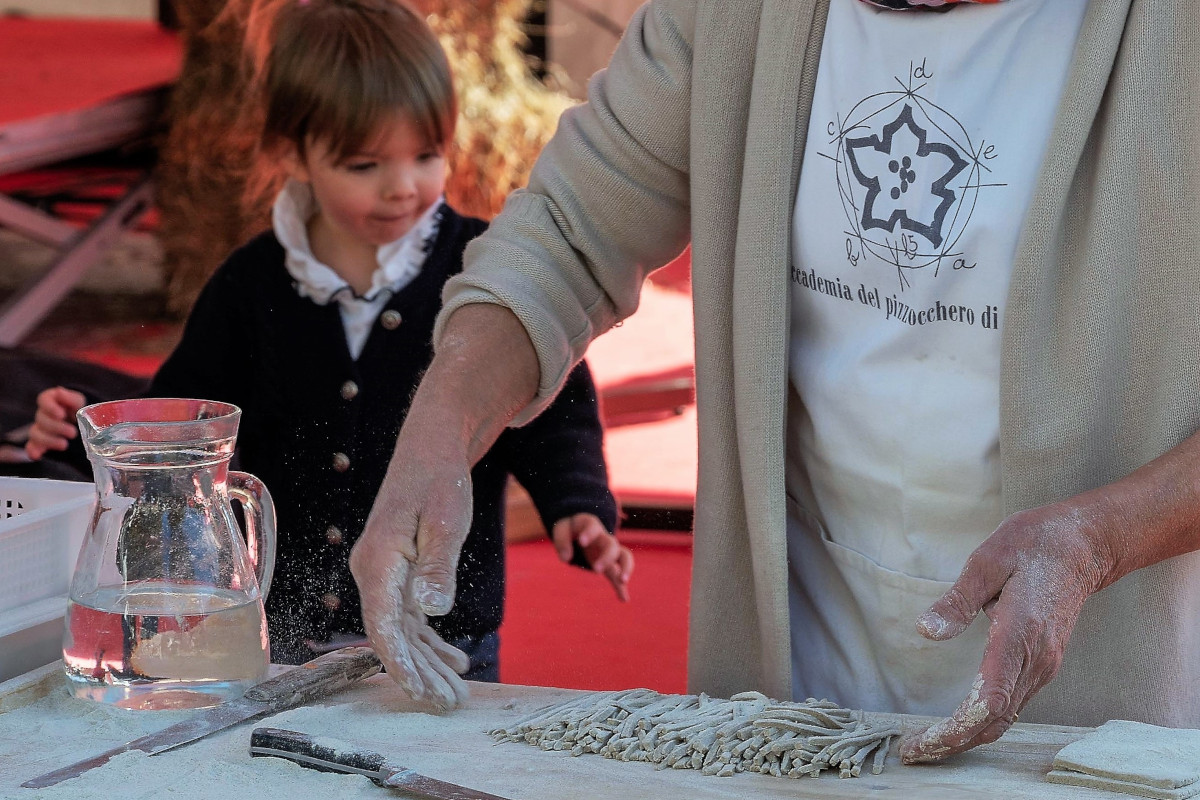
(901, 170)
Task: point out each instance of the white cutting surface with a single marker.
(43, 728)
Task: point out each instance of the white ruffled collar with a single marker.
(399, 261)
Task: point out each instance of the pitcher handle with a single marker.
(260, 524)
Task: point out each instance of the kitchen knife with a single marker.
(330, 755)
(322, 676)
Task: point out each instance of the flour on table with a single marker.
(198, 771)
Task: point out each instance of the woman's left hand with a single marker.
(1031, 578)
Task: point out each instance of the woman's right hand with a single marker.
(54, 424)
(406, 560)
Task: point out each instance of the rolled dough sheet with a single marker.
(1134, 758)
(1113, 785)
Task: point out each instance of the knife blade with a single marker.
(330, 755)
(322, 676)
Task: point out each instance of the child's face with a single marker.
(375, 196)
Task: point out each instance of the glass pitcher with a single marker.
(166, 606)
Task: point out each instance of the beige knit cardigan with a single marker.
(696, 131)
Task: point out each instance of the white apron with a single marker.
(926, 138)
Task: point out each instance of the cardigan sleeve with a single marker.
(559, 457)
(211, 360)
(607, 203)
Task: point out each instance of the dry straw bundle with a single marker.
(215, 188)
(208, 155)
(507, 115)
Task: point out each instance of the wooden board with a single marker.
(41, 728)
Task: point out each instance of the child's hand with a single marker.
(604, 553)
(54, 424)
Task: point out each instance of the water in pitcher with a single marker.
(166, 603)
(157, 645)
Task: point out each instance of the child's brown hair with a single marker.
(338, 70)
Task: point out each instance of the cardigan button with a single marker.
(334, 535)
(349, 390)
(331, 601)
(341, 462)
(390, 319)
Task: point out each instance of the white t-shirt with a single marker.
(927, 135)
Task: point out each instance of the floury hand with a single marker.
(406, 560)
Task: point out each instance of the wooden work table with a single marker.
(42, 728)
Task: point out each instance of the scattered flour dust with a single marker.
(58, 730)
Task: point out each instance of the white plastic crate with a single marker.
(42, 526)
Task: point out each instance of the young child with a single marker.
(320, 329)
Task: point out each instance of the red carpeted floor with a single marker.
(565, 627)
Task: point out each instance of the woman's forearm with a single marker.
(485, 371)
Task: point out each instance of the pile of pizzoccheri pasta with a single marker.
(747, 733)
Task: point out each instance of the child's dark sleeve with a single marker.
(212, 357)
(559, 456)
(206, 363)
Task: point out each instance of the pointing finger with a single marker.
(562, 537)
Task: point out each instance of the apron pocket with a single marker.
(916, 675)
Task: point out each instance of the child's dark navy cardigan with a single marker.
(319, 427)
